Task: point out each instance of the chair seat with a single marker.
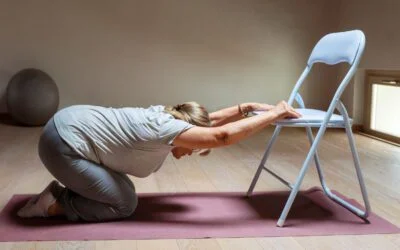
(311, 118)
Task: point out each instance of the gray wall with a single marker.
(120, 53)
(380, 22)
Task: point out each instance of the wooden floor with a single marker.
(230, 169)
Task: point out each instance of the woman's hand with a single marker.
(284, 110)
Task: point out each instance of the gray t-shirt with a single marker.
(135, 141)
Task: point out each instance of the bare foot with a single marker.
(39, 205)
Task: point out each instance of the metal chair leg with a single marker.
(317, 161)
(264, 159)
(363, 214)
(299, 179)
(329, 193)
(310, 136)
(326, 190)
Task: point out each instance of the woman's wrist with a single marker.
(249, 106)
(242, 109)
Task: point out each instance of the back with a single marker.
(130, 140)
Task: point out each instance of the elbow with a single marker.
(223, 138)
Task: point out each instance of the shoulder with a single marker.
(167, 126)
(156, 108)
(158, 115)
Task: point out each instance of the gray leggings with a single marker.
(92, 192)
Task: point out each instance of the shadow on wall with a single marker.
(5, 76)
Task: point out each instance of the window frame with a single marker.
(382, 78)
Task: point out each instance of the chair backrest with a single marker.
(334, 48)
(338, 47)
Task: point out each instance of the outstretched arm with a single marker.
(231, 133)
(231, 114)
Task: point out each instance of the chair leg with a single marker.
(360, 213)
(317, 162)
(299, 179)
(263, 160)
(325, 187)
(356, 160)
(310, 136)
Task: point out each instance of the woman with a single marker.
(90, 149)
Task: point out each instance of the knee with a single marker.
(131, 205)
(128, 205)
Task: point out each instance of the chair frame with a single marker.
(313, 153)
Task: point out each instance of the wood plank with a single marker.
(157, 245)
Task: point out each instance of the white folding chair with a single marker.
(332, 49)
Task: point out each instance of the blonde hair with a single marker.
(193, 113)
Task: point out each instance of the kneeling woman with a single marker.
(91, 149)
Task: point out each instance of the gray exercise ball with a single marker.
(32, 97)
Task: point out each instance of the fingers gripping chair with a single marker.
(332, 49)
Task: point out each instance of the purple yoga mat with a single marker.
(200, 215)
